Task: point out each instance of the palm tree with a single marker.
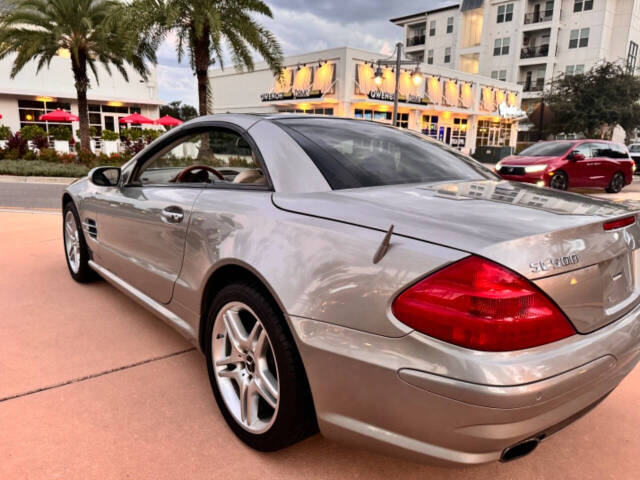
(89, 31)
(205, 27)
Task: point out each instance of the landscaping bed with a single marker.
(41, 168)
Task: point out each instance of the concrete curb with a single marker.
(29, 179)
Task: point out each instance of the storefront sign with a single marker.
(275, 96)
(506, 111)
(386, 96)
(417, 99)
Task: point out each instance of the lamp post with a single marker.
(397, 62)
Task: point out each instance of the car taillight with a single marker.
(478, 304)
(622, 222)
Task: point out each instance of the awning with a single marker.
(471, 4)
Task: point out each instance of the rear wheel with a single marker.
(255, 371)
(616, 183)
(75, 246)
(559, 181)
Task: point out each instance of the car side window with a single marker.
(618, 151)
(215, 155)
(583, 149)
(602, 150)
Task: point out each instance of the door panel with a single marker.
(579, 170)
(602, 167)
(142, 235)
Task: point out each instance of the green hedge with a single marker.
(39, 168)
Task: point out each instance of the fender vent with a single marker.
(91, 227)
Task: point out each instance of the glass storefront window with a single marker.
(492, 133)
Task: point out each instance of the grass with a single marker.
(39, 168)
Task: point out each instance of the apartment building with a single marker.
(529, 42)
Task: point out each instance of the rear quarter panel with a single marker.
(316, 268)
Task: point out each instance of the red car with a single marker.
(566, 164)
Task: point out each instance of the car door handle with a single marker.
(172, 214)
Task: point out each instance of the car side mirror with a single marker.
(105, 176)
(576, 156)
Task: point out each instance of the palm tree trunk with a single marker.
(202, 56)
(82, 84)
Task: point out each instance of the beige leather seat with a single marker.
(250, 176)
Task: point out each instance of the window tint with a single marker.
(546, 149)
(610, 150)
(583, 149)
(352, 154)
(203, 158)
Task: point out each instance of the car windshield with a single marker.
(635, 148)
(546, 149)
(353, 154)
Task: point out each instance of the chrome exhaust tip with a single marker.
(519, 450)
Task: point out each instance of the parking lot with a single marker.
(93, 386)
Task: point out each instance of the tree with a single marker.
(177, 110)
(204, 28)
(595, 102)
(88, 31)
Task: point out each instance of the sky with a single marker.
(305, 26)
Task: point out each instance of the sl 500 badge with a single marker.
(552, 263)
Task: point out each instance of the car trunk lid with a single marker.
(556, 239)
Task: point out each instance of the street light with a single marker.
(377, 77)
(397, 63)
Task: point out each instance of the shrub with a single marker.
(85, 157)
(5, 132)
(29, 132)
(48, 155)
(40, 142)
(109, 135)
(150, 134)
(17, 143)
(60, 132)
(67, 157)
(30, 155)
(132, 148)
(41, 169)
(13, 154)
(132, 134)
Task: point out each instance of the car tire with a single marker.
(76, 252)
(616, 183)
(559, 181)
(258, 380)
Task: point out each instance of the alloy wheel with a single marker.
(72, 241)
(617, 182)
(559, 181)
(245, 368)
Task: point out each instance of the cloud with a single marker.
(305, 26)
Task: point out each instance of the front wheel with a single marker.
(559, 181)
(255, 370)
(616, 183)
(75, 246)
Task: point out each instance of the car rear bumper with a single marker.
(428, 400)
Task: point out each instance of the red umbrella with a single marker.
(59, 115)
(136, 119)
(168, 121)
(0, 115)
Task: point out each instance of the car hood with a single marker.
(512, 223)
(517, 160)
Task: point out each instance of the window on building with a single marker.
(417, 56)
(416, 34)
(432, 28)
(505, 13)
(447, 55)
(499, 75)
(501, 46)
(430, 57)
(582, 5)
(632, 57)
(450, 25)
(579, 38)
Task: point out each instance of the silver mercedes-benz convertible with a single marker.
(367, 281)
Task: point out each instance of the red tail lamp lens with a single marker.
(622, 222)
(478, 304)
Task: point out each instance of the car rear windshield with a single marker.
(546, 149)
(356, 153)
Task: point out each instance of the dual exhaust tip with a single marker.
(519, 450)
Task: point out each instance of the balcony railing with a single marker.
(537, 17)
(532, 52)
(415, 40)
(536, 85)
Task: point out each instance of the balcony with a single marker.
(533, 52)
(538, 17)
(536, 85)
(414, 40)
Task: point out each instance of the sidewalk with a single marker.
(20, 179)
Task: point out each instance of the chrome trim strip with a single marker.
(158, 309)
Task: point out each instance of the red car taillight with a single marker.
(622, 222)
(478, 304)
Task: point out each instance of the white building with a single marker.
(525, 41)
(463, 110)
(27, 96)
